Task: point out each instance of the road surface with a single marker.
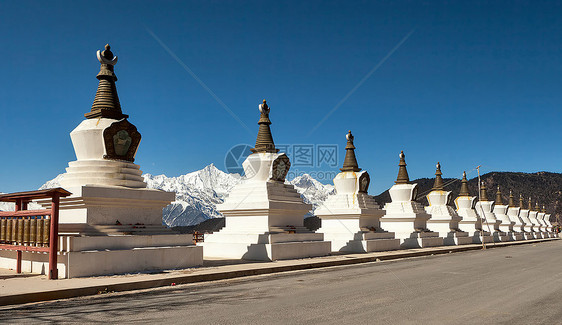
(511, 285)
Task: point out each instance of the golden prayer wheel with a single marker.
(20, 231)
(9, 230)
(33, 231)
(46, 228)
(26, 222)
(3, 223)
(14, 230)
(39, 239)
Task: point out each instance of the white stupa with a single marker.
(540, 219)
(549, 226)
(263, 215)
(524, 215)
(350, 218)
(500, 211)
(444, 218)
(484, 208)
(112, 223)
(533, 218)
(513, 214)
(470, 222)
(406, 217)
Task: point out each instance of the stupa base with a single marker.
(518, 236)
(500, 236)
(420, 239)
(538, 235)
(456, 238)
(528, 235)
(362, 242)
(265, 246)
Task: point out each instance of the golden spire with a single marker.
(350, 162)
(464, 186)
(499, 200)
(530, 205)
(521, 201)
(537, 207)
(264, 141)
(438, 184)
(483, 192)
(403, 177)
(106, 103)
(511, 201)
(543, 209)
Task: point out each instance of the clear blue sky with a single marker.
(475, 83)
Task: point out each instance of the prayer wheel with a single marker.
(33, 231)
(3, 223)
(20, 231)
(26, 222)
(14, 230)
(9, 230)
(46, 229)
(39, 239)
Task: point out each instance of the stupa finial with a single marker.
(264, 141)
(483, 192)
(530, 205)
(106, 103)
(350, 161)
(537, 206)
(438, 184)
(511, 203)
(543, 209)
(403, 177)
(521, 201)
(499, 200)
(464, 186)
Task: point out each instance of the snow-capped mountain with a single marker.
(198, 193)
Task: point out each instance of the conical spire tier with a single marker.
(350, 161)
(499, 200)
(438, 184)
(403, 177)
(521, 201)
(530, 205)
(483, 192)
(464, 186)
(106, 103)
(511, 203)
(537, 207)
(264, 141)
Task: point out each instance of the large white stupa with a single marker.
(406, 217)
(263, 215)
(513, 214)
(500, 211)
(350, 218)
(112, 223)
(444, 219)
(484, 208)
(533, 211)
(471, 221)
(524, 215)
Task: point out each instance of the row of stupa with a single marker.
(112, 223)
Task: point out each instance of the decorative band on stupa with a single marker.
(464, 186)
(350, 161)
(511, 203)
(264, 141)
(403, 177)
(106, 103)
(499, 200)
(483, 193)
(438, 184)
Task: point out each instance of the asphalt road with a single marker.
(515, 285)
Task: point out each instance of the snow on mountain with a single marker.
(198, 193)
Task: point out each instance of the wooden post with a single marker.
(18, 262)
(53, 238)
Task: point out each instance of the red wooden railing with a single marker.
(25, 230)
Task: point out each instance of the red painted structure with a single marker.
(14, 240)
